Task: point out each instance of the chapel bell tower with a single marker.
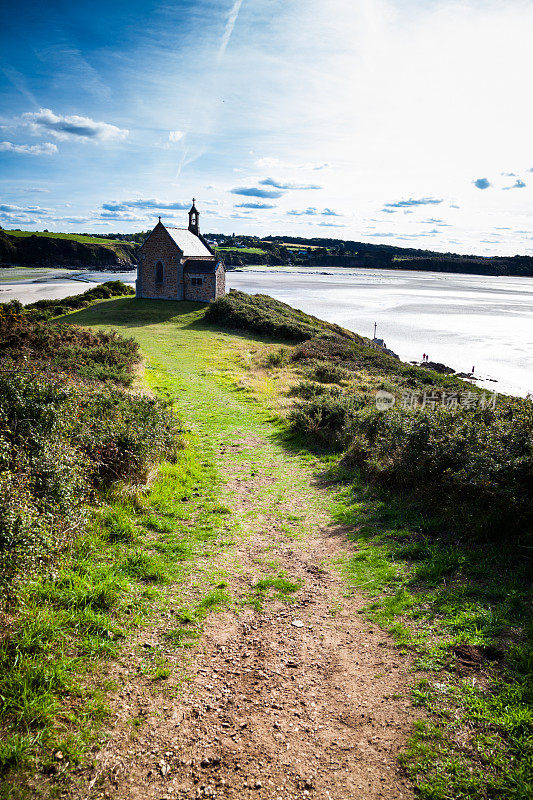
(194, 219)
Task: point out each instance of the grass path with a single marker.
(284, 690)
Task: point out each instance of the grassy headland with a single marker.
(428, 494)
(439, 581)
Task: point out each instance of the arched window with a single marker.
(159, 272)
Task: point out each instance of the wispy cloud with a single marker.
(281, 185)
(74, 126)
(254, 191)
(434, 221)
(255, 205)
(121, 216)
(518, 184)
(230, 24)
(305, 212)
(482, 183)
(63, 60)
(123, 205)
(313, 212)
(23, 215)
(18, 80)
(422, 201)
(43, 149)
(278, 163)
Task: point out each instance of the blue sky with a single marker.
(405, 122)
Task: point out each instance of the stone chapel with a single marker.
(178, 264)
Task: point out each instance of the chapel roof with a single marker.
(190, 244)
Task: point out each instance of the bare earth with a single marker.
(299, 700)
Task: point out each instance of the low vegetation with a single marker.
(428, 489)
(459, 458)
(434, 500)
(44, 309)
(266, 316)
(67, 440)
(27, 341)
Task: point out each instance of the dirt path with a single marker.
(280, 700)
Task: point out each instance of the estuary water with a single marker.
(464, 321)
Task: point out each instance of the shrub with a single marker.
(122, 434)
(60, 441)
(278, 358)
(307, 390)
(100, 355)
(476, 462)
(326, 417)
(102, 291)
(262, 314)
(355, 354)
(326, 372)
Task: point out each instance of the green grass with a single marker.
(51, 694)
(434, 589)
(238, 250)
(435, 592)
(272, 587)
(75, 237)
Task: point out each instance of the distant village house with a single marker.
(179, 264)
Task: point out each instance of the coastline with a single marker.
(411, 320)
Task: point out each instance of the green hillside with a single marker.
(27, 248)
(74, 237)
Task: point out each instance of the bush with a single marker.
(262, 314)
(318, 341)
(326, 417)
(122, 435)
(102, 291)
(278, 358)
(476, 462)
(307, 390)
(102, 355)
(60, 442)
(326, 372)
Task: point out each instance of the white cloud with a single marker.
(11, 209)
(121, 216)
(123, 205)
(72, 127)
(288, 184)
(175, 136)
(43, 149)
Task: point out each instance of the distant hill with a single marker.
(25, 248)
(112, 250)
(340, 252)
